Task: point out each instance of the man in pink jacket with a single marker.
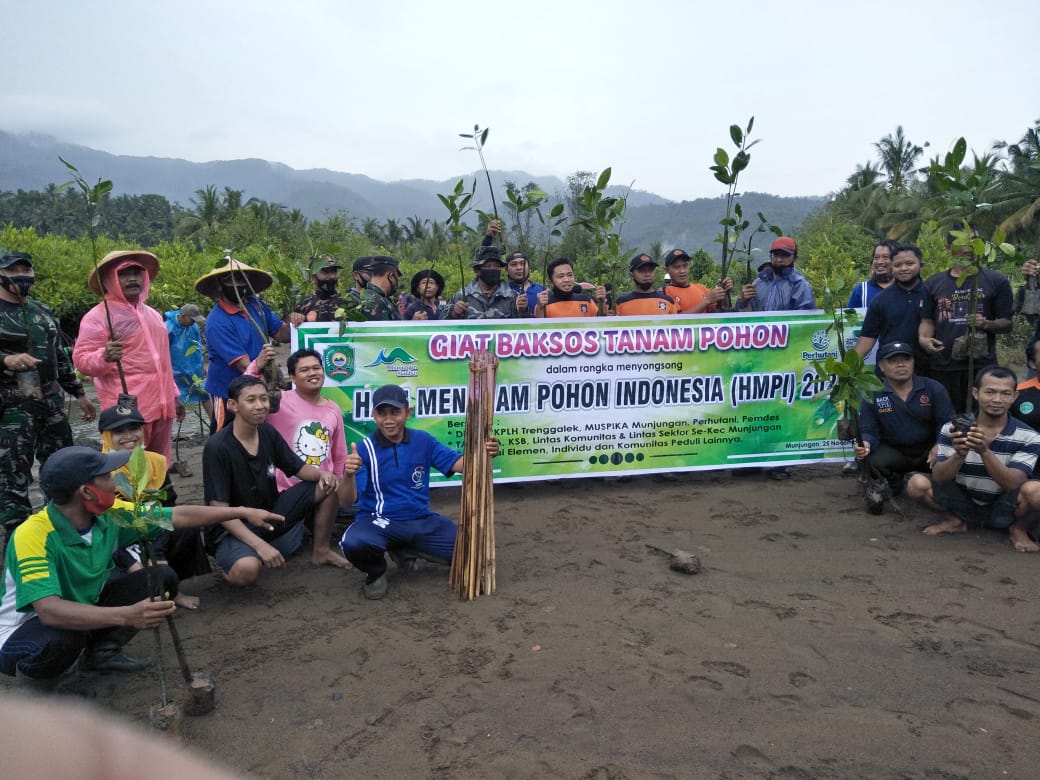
(138, 342)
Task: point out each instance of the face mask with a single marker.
(18, 285)
(234, 293)
(560, 295)
(644, 286)
(882, 278)
(492, 277)
(326, 287)
(102, 503)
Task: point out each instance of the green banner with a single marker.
(617, 395)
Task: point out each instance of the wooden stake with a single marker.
(473, 562)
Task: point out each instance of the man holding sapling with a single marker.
(944, 331)
(778, 286)
(982, 469)
(62, 595)
(488, 296)
(394, 512)
(238, 468)
(691, 298)
(901, 423)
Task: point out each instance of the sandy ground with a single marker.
(817, 642)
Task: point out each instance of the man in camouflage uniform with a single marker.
(377, 303)
(322, 305)
(362, 271)
(488, 296)
(36, 369)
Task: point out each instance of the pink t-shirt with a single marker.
(313, 431)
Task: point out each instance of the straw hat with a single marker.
(209, 284)
(148, 261)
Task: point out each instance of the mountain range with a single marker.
(29, 161)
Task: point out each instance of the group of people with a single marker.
(74, 590)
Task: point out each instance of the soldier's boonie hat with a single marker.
(7, 259)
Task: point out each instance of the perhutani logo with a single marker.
(820, 339)
(821, 342)
(339, 363)
(397, 362)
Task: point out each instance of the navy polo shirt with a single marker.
(398, 485)
(894, 315)
(913, 424)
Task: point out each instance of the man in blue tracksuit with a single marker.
(394, 508)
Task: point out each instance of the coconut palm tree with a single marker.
(898, 159)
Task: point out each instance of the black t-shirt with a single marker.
(231, 474)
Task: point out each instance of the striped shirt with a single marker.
(1017, 446)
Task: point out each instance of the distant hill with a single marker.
(29, 161)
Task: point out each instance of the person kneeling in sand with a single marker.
(394, 507)
(238, 467)
(62, 594)
(981, 475)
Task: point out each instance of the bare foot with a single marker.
(948, 525)
(1021, 541)
(184, 601)
(329, 557)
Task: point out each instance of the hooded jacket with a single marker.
(146, 350)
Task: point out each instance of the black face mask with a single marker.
(327, 287)
(560, 295)
(18, 285)
(234, 293)
(883, 278)
(492, 277)
(644, 286)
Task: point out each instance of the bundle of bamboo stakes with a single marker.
(473, 564)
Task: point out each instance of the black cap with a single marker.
(7, 259)
(486, 253)
(69, 468)
(517, 255)
(640, 260)
(390, 395)
(381, 262)
(115, 417)
(893, 348)
(363, 264)
(674, 256)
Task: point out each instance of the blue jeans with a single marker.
(368, 538)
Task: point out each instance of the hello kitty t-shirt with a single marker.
(312, 431)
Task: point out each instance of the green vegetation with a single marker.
(893, 197)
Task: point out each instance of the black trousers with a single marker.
(43, 652)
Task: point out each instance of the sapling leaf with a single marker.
(138, 467)
(123, 485)
(483, 135)
(603, 180)
(736, 134)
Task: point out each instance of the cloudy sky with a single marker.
(649, 88)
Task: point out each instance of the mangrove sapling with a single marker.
(602, 216)
(92, 197)
(847, 380)
(963, 188)
(479, 138)
(458, 205)
(728, 172)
